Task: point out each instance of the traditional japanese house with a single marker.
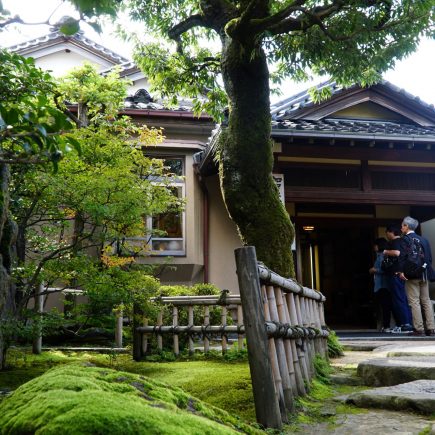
(349, 166)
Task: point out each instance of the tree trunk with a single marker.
(8, 232)
(246, 159)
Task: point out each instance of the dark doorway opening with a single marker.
(336, 260)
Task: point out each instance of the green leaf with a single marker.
(95, 26)
(75, 143)
(70, 26)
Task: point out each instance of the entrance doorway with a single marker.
(335, 260)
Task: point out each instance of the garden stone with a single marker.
(416, 396)
(393, 371)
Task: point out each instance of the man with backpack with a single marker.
(415, 261)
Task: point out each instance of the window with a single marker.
(168, 228)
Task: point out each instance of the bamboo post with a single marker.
(137, 335)
(294, 321)
(297, 363)
(301, 320)
(266, 404)
(320, 314)
(190, 323)
(206, 323)
(280, 305)
(159, 336)
(175, 325)
(118, 328)
(280, 351)
(224, 336)
(273, 357)
(239, 323)
(39, 309)
(144, 343)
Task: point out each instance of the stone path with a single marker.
(418, 396)
(372, 422)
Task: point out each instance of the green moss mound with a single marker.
(79, 399)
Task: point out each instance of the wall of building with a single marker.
(223, 240)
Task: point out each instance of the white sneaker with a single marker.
(396, 330)
(386, 330)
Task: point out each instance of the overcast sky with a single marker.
(414, 74)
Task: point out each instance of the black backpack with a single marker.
(414, 264)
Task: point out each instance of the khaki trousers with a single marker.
(419, 301)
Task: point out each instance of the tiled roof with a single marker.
(56, 36)
(289, 107)
(354, 127)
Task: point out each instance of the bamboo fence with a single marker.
(285, 330)
(283, 323)
(203, 332)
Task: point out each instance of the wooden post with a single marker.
(175, 324)
(39, 309)
(144, 346)
(190, 323)
(239, 323)
(224, 323)
(118, 329)
(137, 336)
(206, 323)
(159, 336)
(266, 403)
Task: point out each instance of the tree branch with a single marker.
(315, 16)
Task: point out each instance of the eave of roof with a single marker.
(77, 39)
(354, 129)
(298, 105)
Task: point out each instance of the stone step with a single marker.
(398, 370)
(417, 396)
(345, 379)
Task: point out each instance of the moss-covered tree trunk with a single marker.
(246, 158)
(7, 240)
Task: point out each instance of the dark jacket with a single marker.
(427, 255)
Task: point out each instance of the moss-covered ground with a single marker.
(78, 398)
(214, 382)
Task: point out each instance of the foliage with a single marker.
(322, 369)
(84, 225)
(86, 399)
(199, 289)
(31, 126)
(335, 349)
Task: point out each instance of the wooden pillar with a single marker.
(39, 309)
(224, 323)
(239, 323)
(206, 323)
(118, 328)
(190, 323)
(137, 336)
(175, 336)
(266, 403)
(159, 336)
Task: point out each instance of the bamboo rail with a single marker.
(285, 330)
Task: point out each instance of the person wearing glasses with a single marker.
(417, 289)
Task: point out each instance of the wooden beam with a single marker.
(352, 196)
(319, 151)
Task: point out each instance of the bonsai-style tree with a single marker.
(221, 52)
